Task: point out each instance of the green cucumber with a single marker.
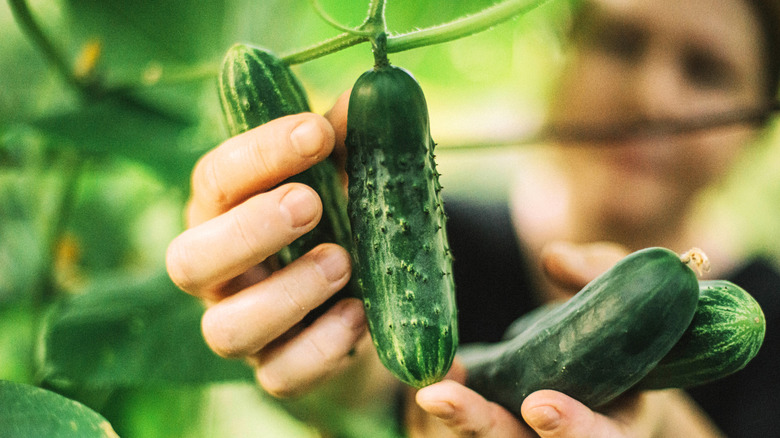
(402, 262)
(726, 333)
(527, 321)
(599, 343)
(255, 87)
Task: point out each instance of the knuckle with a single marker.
(242, 226)
(328, 133)
(328, 354)
(255, 155)
(218, 336)
(177, 263)
(206, 182)
(274, 384)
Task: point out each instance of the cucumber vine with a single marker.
(442, 33)
(373, 25)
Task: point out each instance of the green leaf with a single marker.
(131, 334)
(119, 127)
(28, 411)
(133, 35)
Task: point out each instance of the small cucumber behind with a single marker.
(726, 333)
(256, 87)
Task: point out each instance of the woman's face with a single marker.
(650, 59)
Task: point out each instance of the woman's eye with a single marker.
(619, 42)
(705, 70)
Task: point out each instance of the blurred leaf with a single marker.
(118, 127)
(131, 333)
(33, 412)
(18, 326)
(133, 34)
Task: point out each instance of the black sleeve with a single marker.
(492, 280)
(747, 403)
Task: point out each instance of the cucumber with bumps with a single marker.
(401, 256)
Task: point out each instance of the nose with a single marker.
(654, 88)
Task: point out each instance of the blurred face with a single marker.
(650, 59)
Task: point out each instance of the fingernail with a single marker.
(543, 418)
(441, 409)
(306, 138)
(333, 265)
(352, 313)
(299, 206)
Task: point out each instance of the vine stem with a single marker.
(23, 16)
(462, 27)
(332, 45)
(452, 30)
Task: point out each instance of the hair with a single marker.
(768, 13)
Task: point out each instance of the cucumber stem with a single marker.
(379, 47)
(377, 27)
(699, 260)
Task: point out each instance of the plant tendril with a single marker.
(334, 23)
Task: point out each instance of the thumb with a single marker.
(572, 266)
(552, 414)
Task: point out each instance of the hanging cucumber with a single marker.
(600, 342)
(401, 256)
(256, 87)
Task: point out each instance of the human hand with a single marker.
(449, 409)
(454, 410)
(239, 217)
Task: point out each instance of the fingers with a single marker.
(573, 266)
(319, 351)
(337, 116)
(467, 414)
(555, 415)
(244, 323)
(255, 161)
(226, 246)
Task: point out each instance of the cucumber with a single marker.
(527, 321)
(599, 343)
(255, 87)
(726, 333)
(402, 261)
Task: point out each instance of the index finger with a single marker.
(256, 161)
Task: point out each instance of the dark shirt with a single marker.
(494, 287)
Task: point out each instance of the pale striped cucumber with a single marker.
(726, 333)
(401, 256)
(256, 87)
